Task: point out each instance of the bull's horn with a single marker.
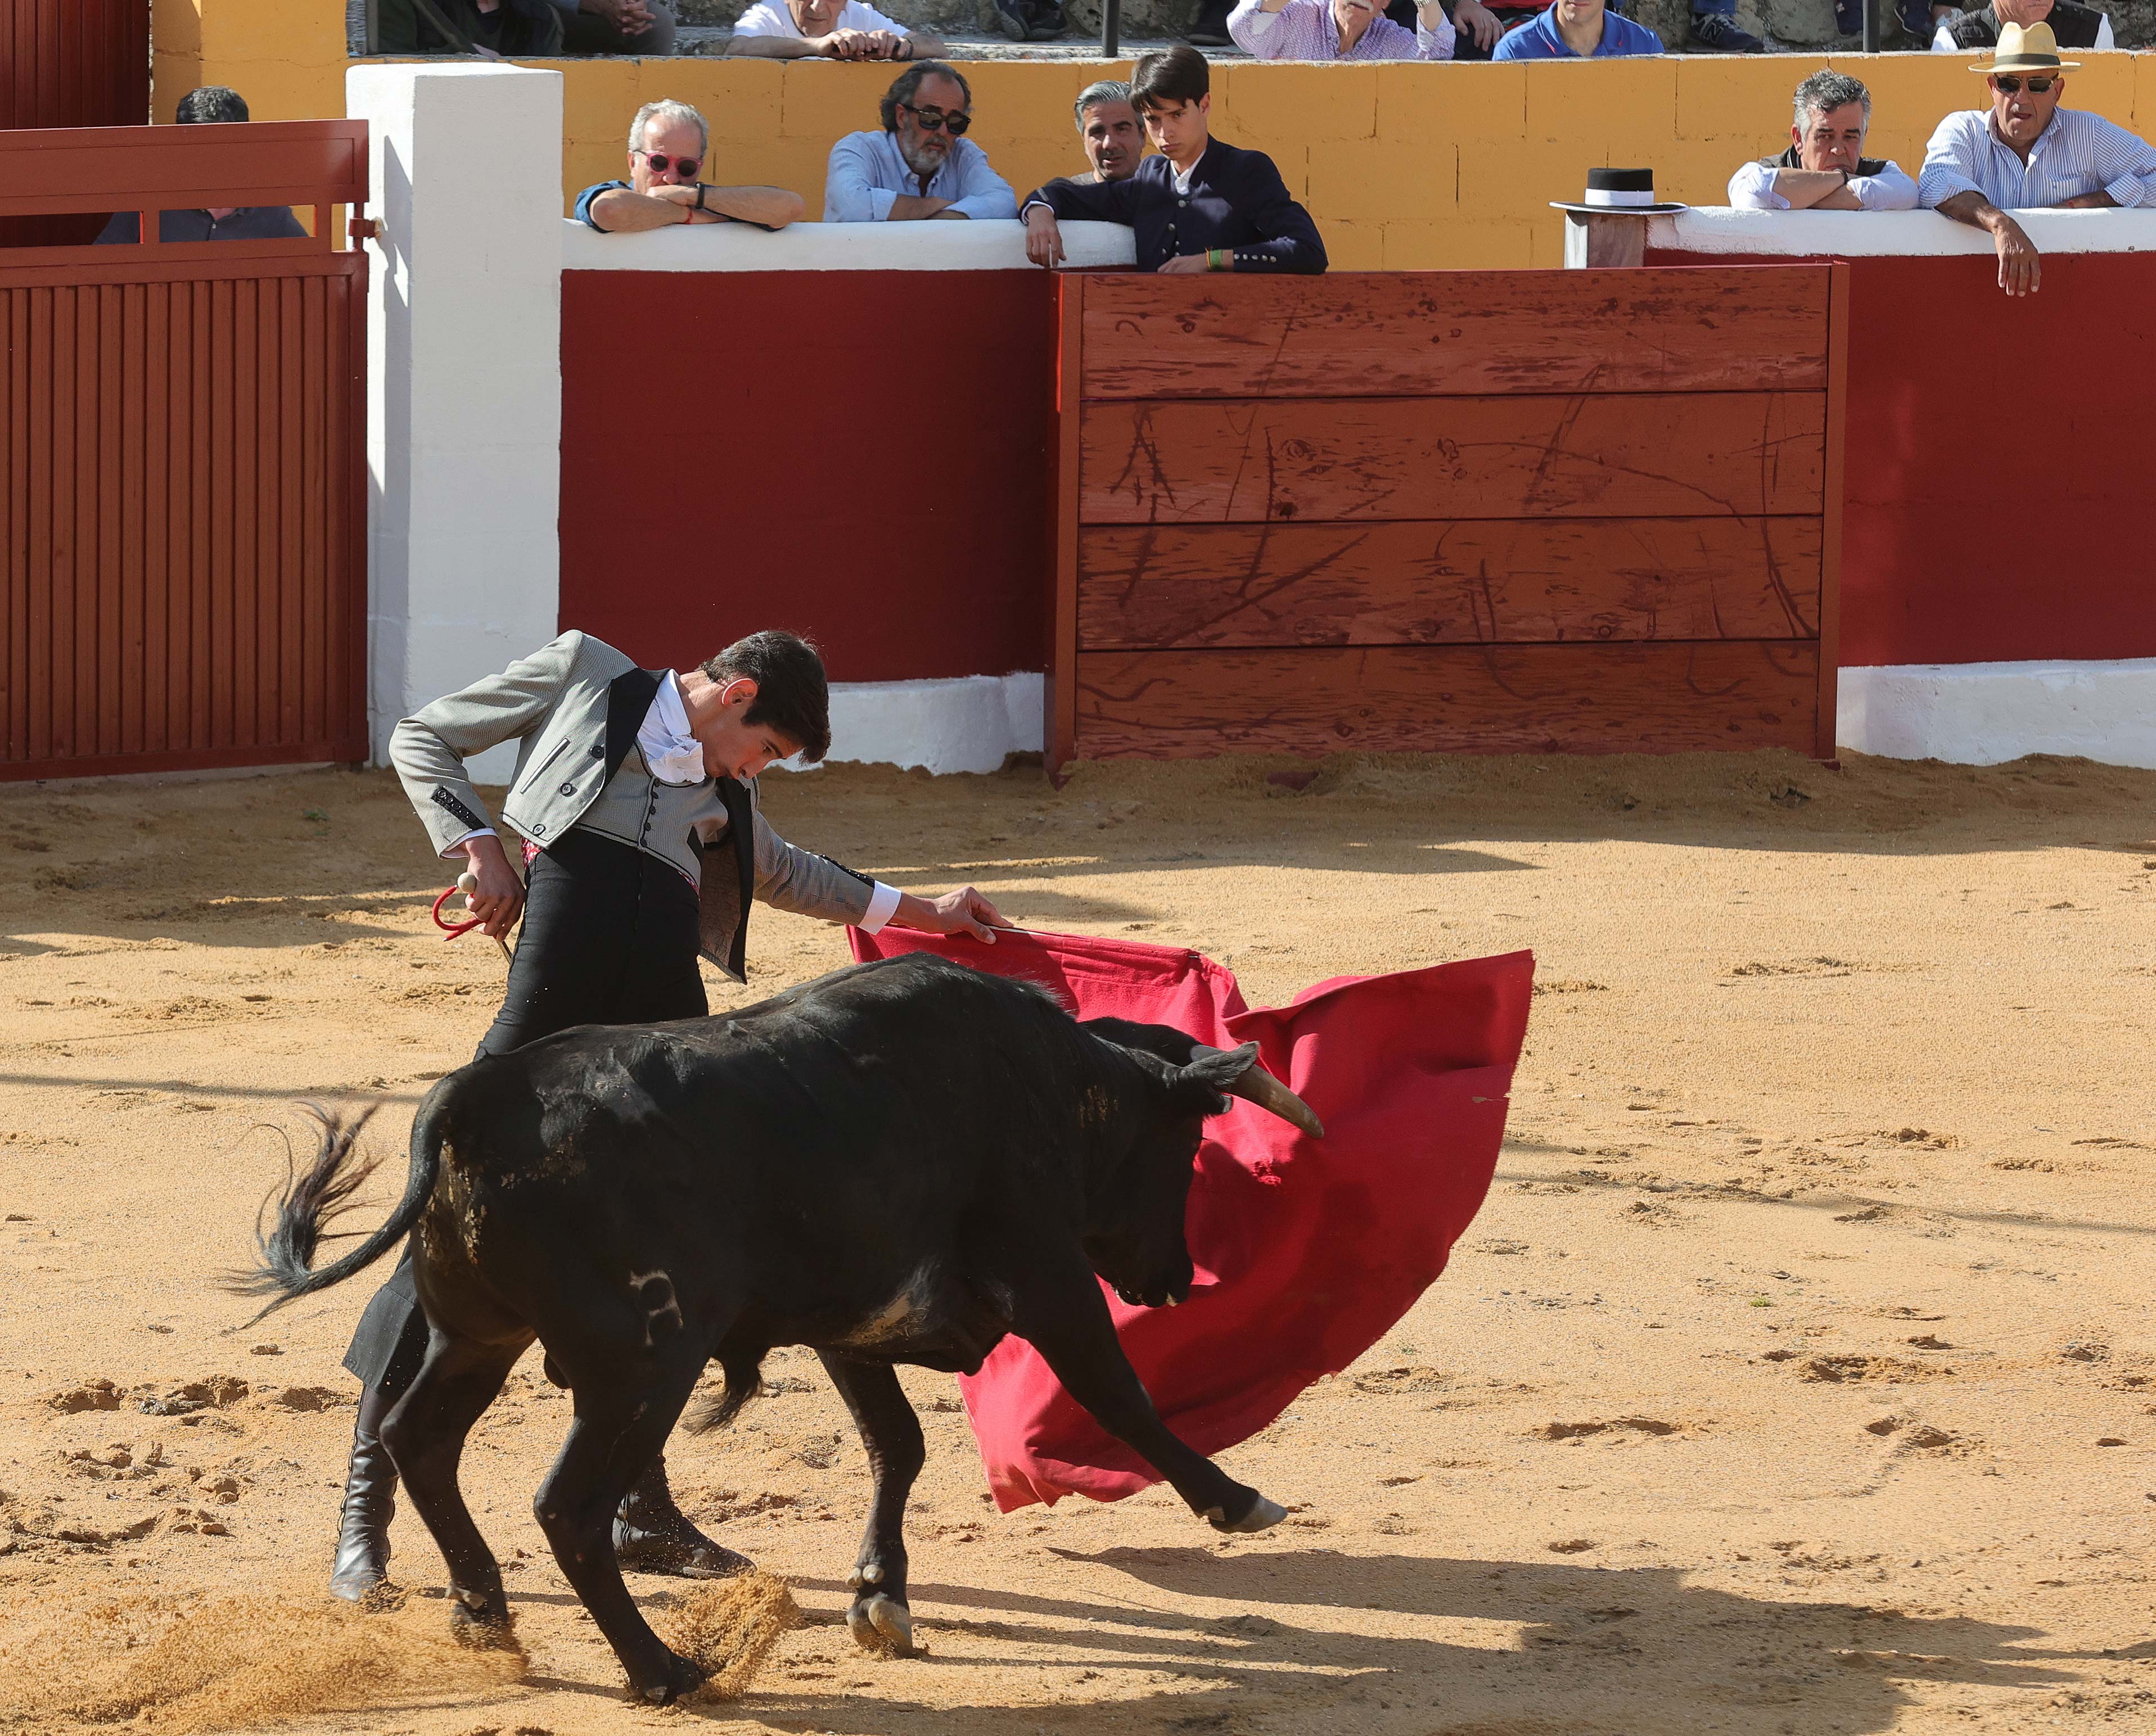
(1260, 1087)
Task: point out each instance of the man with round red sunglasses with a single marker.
(667, 144)
(2026, 153)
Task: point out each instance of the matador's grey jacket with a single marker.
(573, 708)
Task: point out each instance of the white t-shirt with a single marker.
(771, 17)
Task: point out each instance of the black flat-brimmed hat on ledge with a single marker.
(1619, 192)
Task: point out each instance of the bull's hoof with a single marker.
(481, 1622)
(678, 1678)
(682, 1551)
(881, 1623)
(1263, 1516)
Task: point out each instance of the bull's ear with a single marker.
(1237, 1072)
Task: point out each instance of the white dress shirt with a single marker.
(1752, 188)
(773, 17)
(672, 756)
(2076, 153)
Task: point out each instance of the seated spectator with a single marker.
(1577, 30)
(1483, 23)
(616, 27)
(207, 105)
(2074, 26)
(667, 142)
(1338, 30)
(835, 29)
(1200, 205)
(2027, 153)
(919, 165)
(490, 28)
(1108, 127)
(1824, 168)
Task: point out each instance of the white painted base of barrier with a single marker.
(1983, 714)
(969, 723)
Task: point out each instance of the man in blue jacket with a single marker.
(1199, 205)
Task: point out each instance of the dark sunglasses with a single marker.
(2012, 86)
(660, 162)
(934, 120)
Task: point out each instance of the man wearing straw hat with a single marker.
(2026, 153)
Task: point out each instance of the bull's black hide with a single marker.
(899, 1163)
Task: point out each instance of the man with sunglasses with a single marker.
(921, 165)
(2026, 153)
(667, 144)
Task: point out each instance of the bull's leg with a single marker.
(619, 1429)
(891, 1433)
(425, 1434)
(1065, 1318)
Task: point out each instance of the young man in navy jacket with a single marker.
(1199, 205)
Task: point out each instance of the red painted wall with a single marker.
(2000, 458)
(859, 456)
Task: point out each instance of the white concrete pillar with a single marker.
(463, 377)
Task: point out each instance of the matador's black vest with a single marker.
(2074, 26)
(1866, 167)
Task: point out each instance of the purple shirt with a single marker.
(1304, 30)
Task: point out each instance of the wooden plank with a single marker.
(1731, 695)
(156, 507)
(103, 496)
(67, 740)
(1837, 409)
(127, 482)
(1060, 698)
(1408, 334)
(1147, 587)
(1256, 461)
(43, 522)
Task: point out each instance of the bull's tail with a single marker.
(313, 1197)
(744, 1381)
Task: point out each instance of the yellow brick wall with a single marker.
(1405, 166)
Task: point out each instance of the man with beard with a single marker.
(921, 165)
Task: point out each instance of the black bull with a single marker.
(900, 1163)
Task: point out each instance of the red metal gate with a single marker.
(70, 63)
(182, 440)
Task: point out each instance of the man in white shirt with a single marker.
(1824, 168)
(921, 165)
(836, 30)
(2027, 153)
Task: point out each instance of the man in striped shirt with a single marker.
(2027, 153)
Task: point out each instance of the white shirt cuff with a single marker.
(1260, 21)
(883, 906)
(457, 848)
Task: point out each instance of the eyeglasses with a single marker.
(2012, 86)
(934, 120)
(660, 162)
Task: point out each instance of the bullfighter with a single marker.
(635, 792)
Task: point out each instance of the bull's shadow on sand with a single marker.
(1572, 1649)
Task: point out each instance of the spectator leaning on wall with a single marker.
(667, 143)
(835, 29)
(1577, 29)
(1338, 30)
(2026, 153)
(1200, 205)
(490, 28)
(211, 103)
(1824, 168)
(921, 165)
(1109, 130)
(2074, 25)
(616, 27)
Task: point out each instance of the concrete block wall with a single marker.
(1405, 166)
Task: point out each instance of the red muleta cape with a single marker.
(1306, 1251)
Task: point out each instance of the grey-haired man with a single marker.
(1824, 168)
(1108, 128)
(668, 143)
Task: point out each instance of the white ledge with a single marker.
(1874, 234)
(992, 246)
(1986, 714)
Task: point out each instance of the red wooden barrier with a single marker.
(1306, 514)
(182, 435)
(70, 63)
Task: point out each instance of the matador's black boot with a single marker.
(370, 1501)
(652, 1535)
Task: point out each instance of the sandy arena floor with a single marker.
(1797, 1378)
